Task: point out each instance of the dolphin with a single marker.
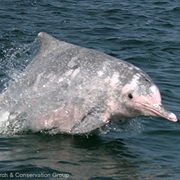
(75, 90)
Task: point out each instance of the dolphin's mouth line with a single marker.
(154, 111)
(167, 115)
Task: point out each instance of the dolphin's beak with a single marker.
(159, 111)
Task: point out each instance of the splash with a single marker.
(14, 60)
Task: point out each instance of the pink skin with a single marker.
(149, 105)
(131, 103)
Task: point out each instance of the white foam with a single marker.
(4, 116)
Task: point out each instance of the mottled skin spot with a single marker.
(75, 90)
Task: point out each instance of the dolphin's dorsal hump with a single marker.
(47, 41)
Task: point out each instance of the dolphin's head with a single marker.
(141, 97)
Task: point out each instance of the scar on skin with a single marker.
(38, 78)
(100, 73)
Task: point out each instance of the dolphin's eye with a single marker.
(130, 96)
